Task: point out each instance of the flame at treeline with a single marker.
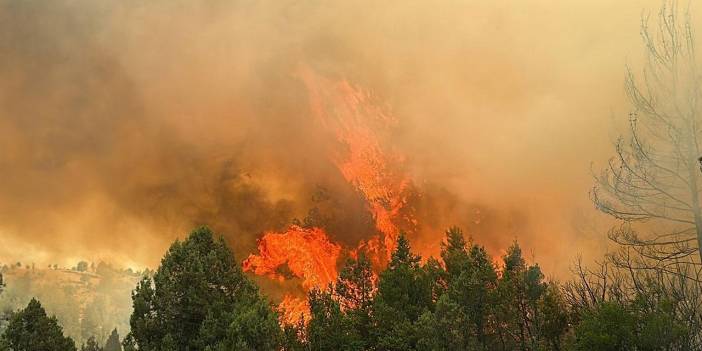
(358, 124)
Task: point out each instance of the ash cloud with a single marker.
(125, 123)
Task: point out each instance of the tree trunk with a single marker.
(694, 190)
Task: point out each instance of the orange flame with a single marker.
(306, 252)
(373, 169)
(363, 160)
(293, 308)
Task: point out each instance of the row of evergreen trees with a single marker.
(85, 304)
(32, 329)
(199, 299)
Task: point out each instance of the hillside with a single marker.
(87, 299)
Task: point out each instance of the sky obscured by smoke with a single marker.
(125, 123)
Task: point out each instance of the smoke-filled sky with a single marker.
(125, 123)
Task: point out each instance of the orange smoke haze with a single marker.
(124, 124)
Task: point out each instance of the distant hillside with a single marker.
(88, 300)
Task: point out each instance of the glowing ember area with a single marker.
(305, 253)
(373, 169)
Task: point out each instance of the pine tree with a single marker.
(32, 330)
(404, 294)
(328, 328)
(354, 290)
(471, 284)
(196, 298)
(454, 252)
(112, 343)
(445, 328)
(519, 290)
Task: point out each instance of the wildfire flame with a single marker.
(372, 168)
(306, 252)
(294, 308)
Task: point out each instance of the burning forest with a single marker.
(289, 176)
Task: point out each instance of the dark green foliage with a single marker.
(112, 343)
(659, 330)
(480, 309)
(199, 298)
(454, 253)
(519, 291)
(145, 327)
(554, 317)
(328, 328)
(608, 327)
(404, 287)
(404, 294)
(461, 319)
(128, 344)
(251, 325)
(32, 330)
(616, 326)
(460, 304)
(354, 290)
(436, 277)
(473, 289)
(293, 337)
(445, 328)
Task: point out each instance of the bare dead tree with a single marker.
(652, 184)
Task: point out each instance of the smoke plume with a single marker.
(123, 124)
